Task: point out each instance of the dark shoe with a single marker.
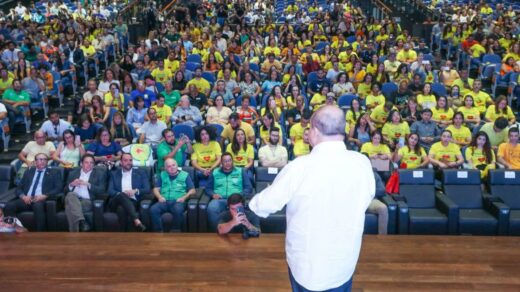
(140, 227)
(84, 226)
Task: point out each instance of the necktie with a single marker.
(35, 184)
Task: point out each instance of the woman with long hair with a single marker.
(395, 129)
(108, 80)
(442, 113)
(426, 99)
(471, 113)
(461, 134)
(120, 130)
(268, 122)
(500, 109)
(218, 113)
(361, 133)
(479, 154)
(242, 152)
(98, 112)
(69, 151)
(411, 155)
(206, 153)
(105, 150)
(343, 85)
(354, 112)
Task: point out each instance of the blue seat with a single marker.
(252, 101)
(254, 67)
(351, 39)
(184, 129)
(276, 222)
(422, 210)
(504, 187)
(194, 58)
(192, 66)
(438, 89)
(388, 89)
(5, 133)
(345, 100)
(218, 129)
(311, 77)
(463, 188)
(210, 77)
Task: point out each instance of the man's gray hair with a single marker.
(329, 120)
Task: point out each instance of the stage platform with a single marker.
(208, 262)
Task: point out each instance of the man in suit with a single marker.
(126, 187)
(83, 185)
(38, 184)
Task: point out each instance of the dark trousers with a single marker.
(346, 287)
(11, 114)
(173, 207)
(16, 206)
(129, 206)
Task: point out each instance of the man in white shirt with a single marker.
(83, 185)
(151, 131)
(54, 127)
(273, 154)
(327, 193)
(10, 55)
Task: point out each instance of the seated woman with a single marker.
(460, 133)
(120, 130)
(86, 130)
(218, 114)
(270, 107)
(361, 133)
(206, 153)
(426, 99)
(302, 146)
(500, 109)
(375, 98)
(442, 113)
(479, 155)
(319, 99)
(377, 152)
(246, 112)
(136, 115)
(99, 113)
(354, 112)
(105, 150)
(445, 154)
(395, 129)
(69, 151)
(412, 155)
(471, 113)
(411, 112)
(242, 152)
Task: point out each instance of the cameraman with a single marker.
(10, 224)
(237, 219)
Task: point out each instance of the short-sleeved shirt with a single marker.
(394, 132)
(206, 155)
(442, 114)
(225, 217)
(21, 96)
(162, 76)
(469, 113)
(164, 149)
(301, 148)
(228, 132)
(115, 102)
(426, 101)
(374, 101)
(510, 153)
(480, 99)
(372, 150)
(171, 99)
(495, 138)
(492, 115)
(31, 149)
(241, 158)
(163, 112)
(101, 150)
(152, 132)
(460, 135)
(412, 159)
(477, 156)
(445, 153)
(297, 131)
(202, 84)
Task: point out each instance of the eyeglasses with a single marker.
(41, 159)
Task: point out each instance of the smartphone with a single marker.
(78, 139)
(445, 68)
(241, 210)
(401, 142)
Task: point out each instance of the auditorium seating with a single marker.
(504, 187)
(276, 222)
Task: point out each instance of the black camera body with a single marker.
(9, 220)
(250, 233)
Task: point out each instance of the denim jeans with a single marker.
(175, 208)
(215, 207)
(346, 287)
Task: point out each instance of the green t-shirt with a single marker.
(164, 149)
(12, 95)
(171, 99)
(495, 138)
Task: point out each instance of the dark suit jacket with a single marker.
(52, 183)
(140, 181)
(97, 181)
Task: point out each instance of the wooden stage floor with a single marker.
(208, 262)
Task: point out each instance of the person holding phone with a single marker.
(236, 219)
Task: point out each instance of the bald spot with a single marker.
(329, 120)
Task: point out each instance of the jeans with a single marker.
(215, 207)
(201, 178)
(346, 287)
(175, 208)
(377, 207)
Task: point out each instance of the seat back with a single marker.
(192, 66)
(194, 58)
(184, 129)
(6, 178)
(505, 184)
(388, 89)
(438, 89)
(345, 100)
(265, 176)
(191, 171)
(463, 187)
(417, 187)
(491, 58)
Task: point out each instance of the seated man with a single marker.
(10, 224)
(496, 131)
(378, 207)
(164, 112)
(224, 181)
(236, 123)
(509, 153)
(186, 113)
(126, 188)
(427, 130)
(83, 185)
(172, 148)
(173, 188)
(29, 151)
(38, 184)
(54, 127)
(151, 131)
(273, 154)
(237, 219)
(16, 101)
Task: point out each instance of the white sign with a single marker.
(418, 174)
(510, 174)
(272, 170)
(462, 174)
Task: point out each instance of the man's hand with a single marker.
(442, 165)
(207, 171)
(181, 200)
(161, 199)
(130, 193)
(26, 199)
(452, 164)
(39, 198)
(216, 196)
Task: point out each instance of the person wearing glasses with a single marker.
(54, 127)
(38, 184)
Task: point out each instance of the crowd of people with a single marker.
(246, 90)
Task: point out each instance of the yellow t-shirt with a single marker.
(173, 66)
(372, 69)
(264, 133)
(228, 132)
(510, 154)
(442, 114)
(162, 76)
(459, 135)
(349, 117)
(202, 85)
(5, 85)
(426, 101)
(206, 155)
(374, 101)
(469, 113)
(492, 115)
(372, 150)
(477, 157)
(163, 113)
(109, 98)
(301, 148)
(88, 52)
(296, 132)
(379, 115)
(480, 100)
(477, 50)
(394, 132)
(445, 153)
(364, 90)
(241, 158)
(319, 99)
(409, 157)
(406, 57)
(274, 50)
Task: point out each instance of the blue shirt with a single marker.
(86, 134)
(147, 95)
(100, 150)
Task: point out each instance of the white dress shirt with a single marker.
(327, 193)
(37, 184)
(82, 191)
(126, 180)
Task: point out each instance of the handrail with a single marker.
(383, 7)
(168, 6)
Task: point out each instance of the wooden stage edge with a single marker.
(208, 262)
